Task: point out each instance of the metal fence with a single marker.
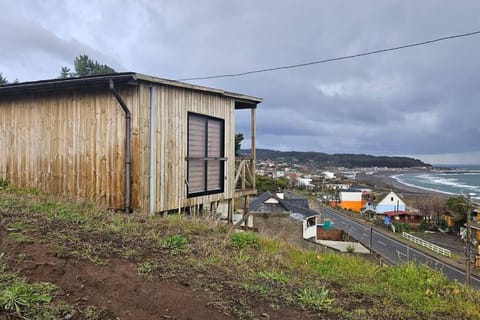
(427, 244)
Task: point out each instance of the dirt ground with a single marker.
(118, 291)
(116, 288)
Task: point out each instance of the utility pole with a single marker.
(468, 266)
(371, 239)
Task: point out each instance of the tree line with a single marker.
(317, 160)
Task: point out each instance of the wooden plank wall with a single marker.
(173, 105)
(69, 143)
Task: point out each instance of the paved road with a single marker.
(392, 250)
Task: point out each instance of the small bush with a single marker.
(350, 248)
(175, 242)
(244, 239)
(402, 227)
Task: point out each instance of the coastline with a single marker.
(384, 181)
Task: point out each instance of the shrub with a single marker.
(402, 227)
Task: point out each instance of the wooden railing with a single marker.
(427, 244)
(245, 176)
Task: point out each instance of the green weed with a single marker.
(19, 237)
(92, 313)
(4, 184)
(16, 225)
(278, 277)
(258, 288)
(20, 296)
(10, 202)
(272, 246)
(242, 258)
(350, 248)
(147, 267)
(315, 299)
(176, 243)
(129, 253)
(244, 239)
(3, 263)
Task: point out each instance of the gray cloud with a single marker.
(422, 100)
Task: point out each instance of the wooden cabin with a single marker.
(127, 141)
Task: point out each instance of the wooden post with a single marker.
(246, 209)
(230, 212)
(243, 168)
(252, 147)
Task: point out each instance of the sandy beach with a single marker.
(384, 181)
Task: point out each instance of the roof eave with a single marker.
(125, 78)
(69, 83)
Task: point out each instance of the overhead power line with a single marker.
(334, 59)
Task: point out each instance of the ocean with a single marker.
(452, 179)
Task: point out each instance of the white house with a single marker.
(391, 202)
(304, 182)
(329, 174)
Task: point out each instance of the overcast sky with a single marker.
(422, 101)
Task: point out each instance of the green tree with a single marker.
(458, 206)
(65, 72)
(3, 80)
(84, 66)
(238, 143)
(282, 183)
(264, 184)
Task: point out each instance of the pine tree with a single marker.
(65, 73)
(3, 80)
(84, 66)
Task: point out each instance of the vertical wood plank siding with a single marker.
(69, 143)
(173, 105)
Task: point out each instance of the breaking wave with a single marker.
(467, 183)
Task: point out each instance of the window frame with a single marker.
(205, 157)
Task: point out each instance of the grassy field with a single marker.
(241, 270)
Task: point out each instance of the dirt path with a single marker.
(116, 288)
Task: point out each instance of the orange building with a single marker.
(351, 200)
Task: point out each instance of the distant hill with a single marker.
(319, 159)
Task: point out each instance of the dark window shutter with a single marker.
(205, 154)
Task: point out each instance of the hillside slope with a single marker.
(322, 160)
(106, 265)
